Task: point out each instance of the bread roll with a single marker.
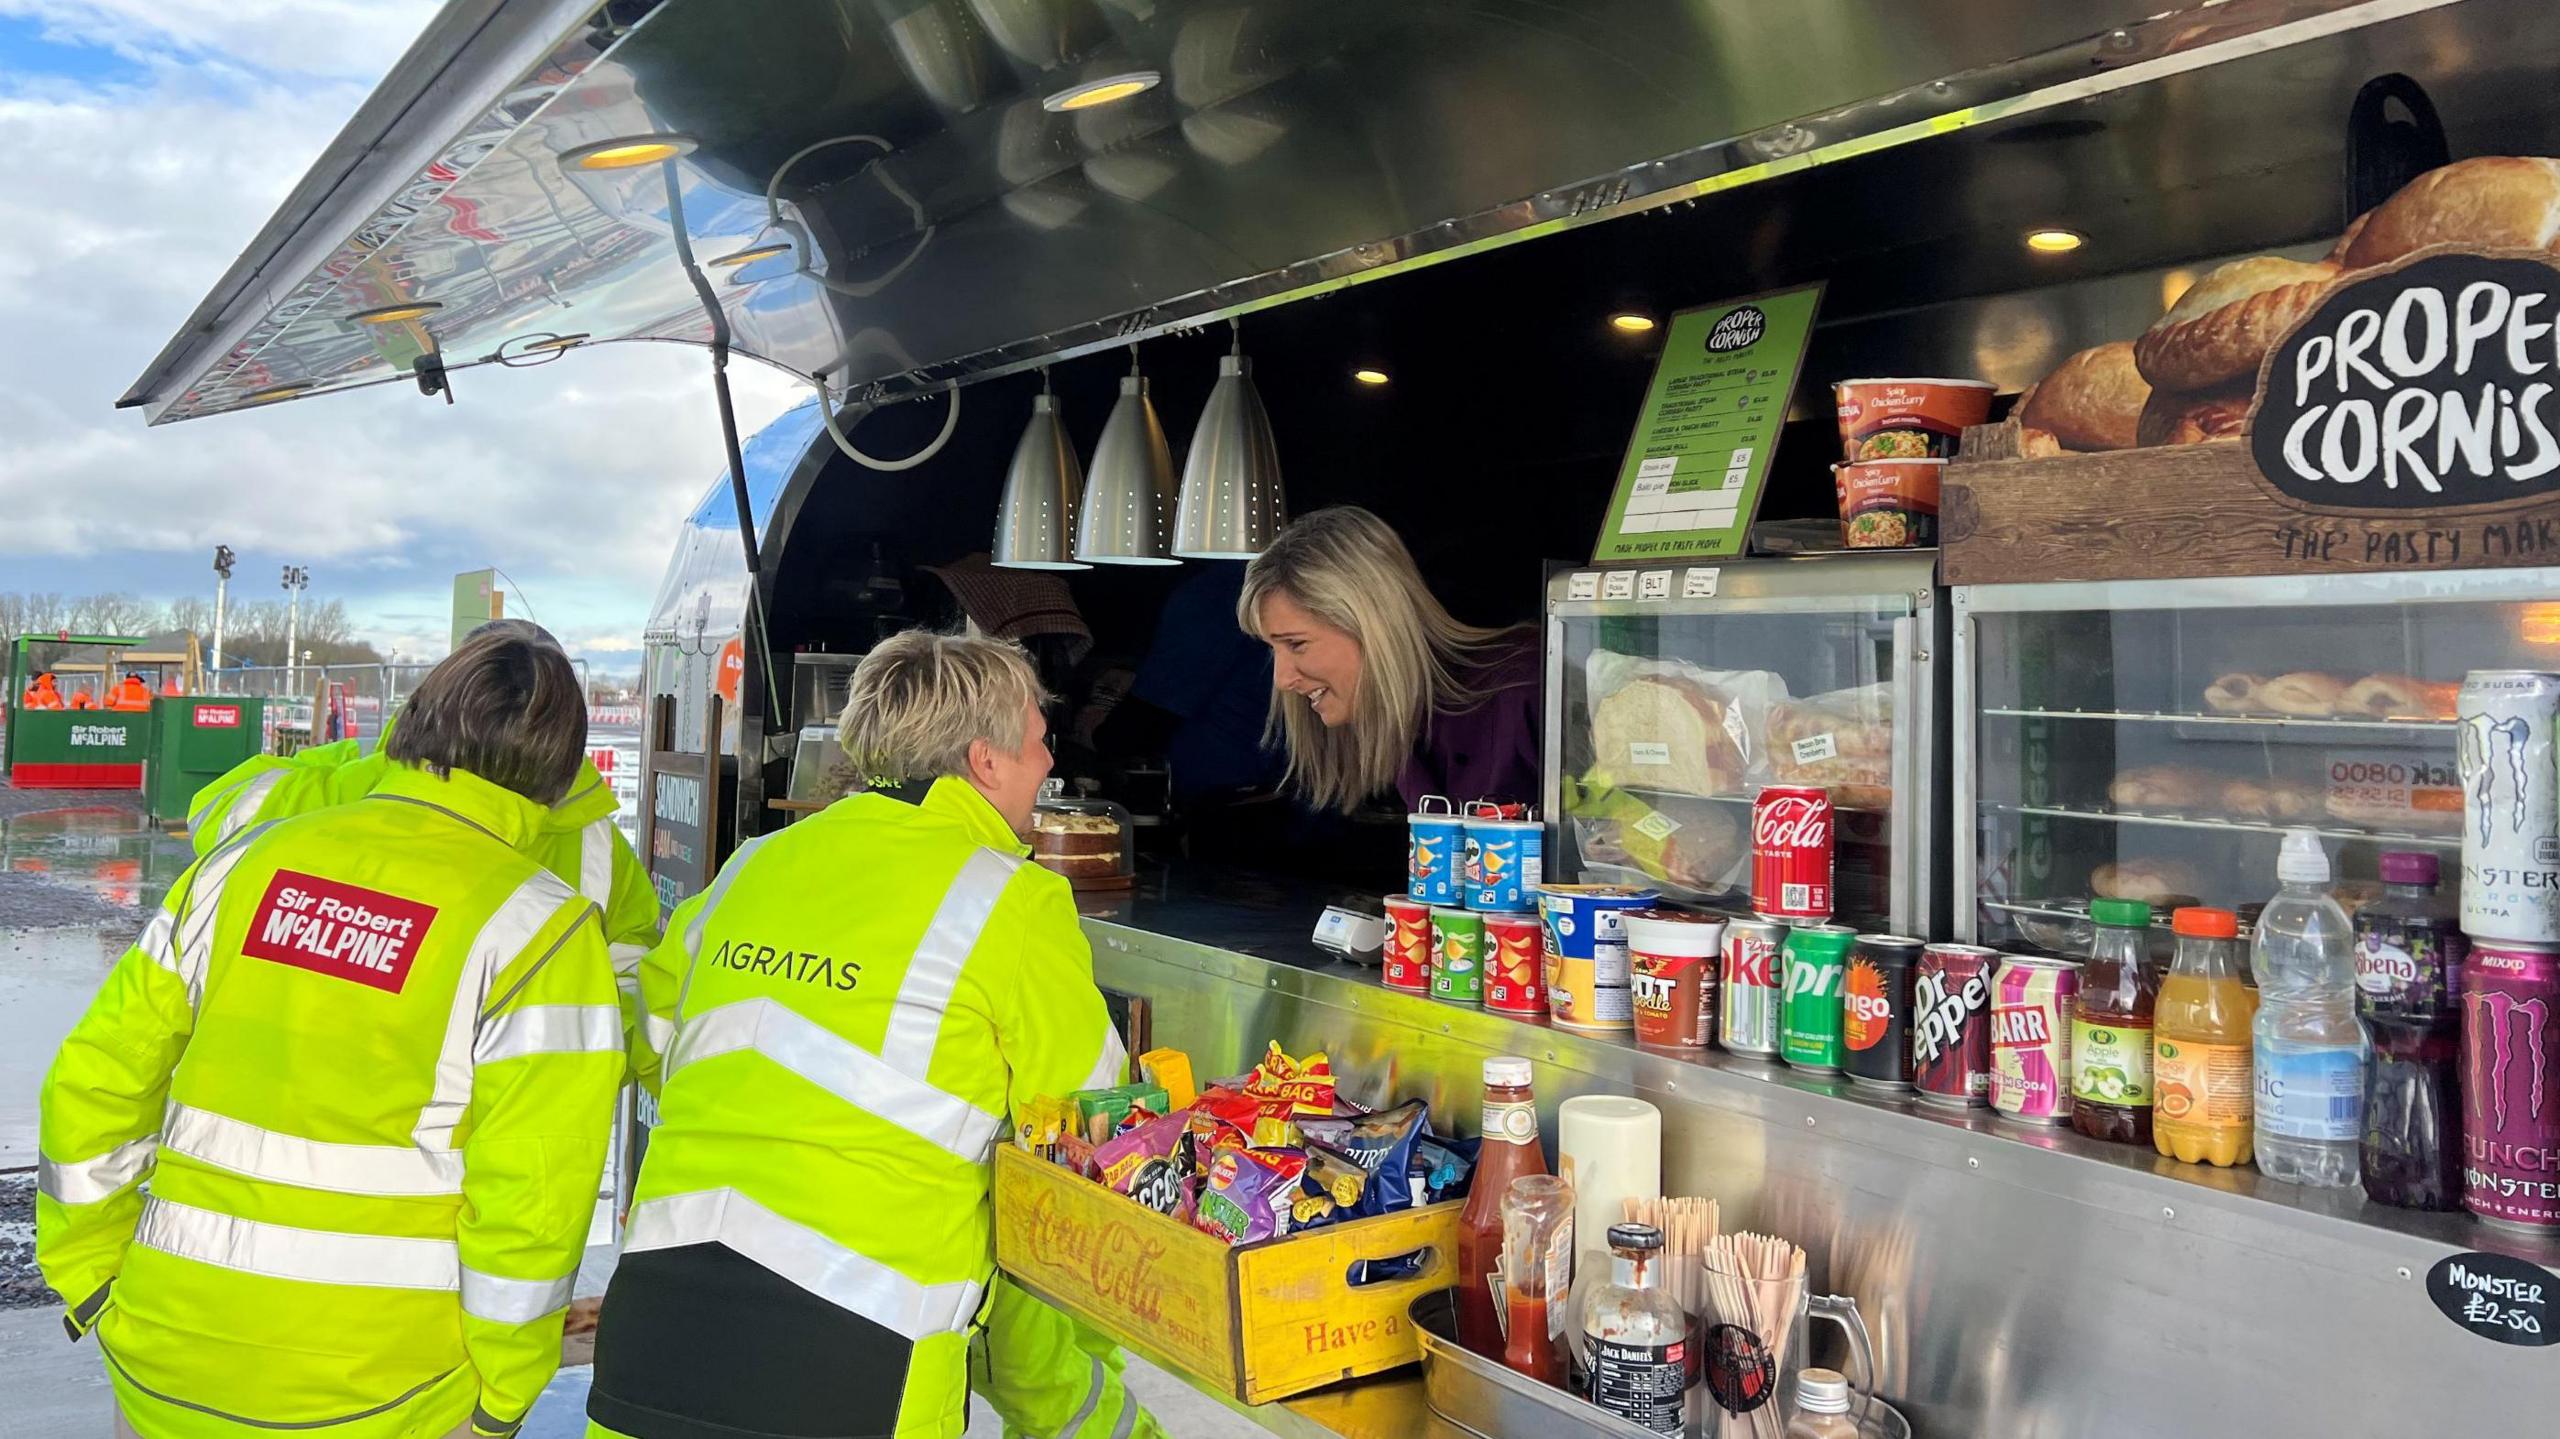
(2182, 417)
(2234, 693)
(2495, 202)
(2306, 694)
(2226, 322)
(2272, 801)
(2091, 401)
(1667, 734)
(2163, 787)
(2158, 882)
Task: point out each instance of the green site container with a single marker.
(195, 740)
(77, 749)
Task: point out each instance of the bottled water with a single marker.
(2309, 1049)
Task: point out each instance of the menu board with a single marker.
(1694, 472)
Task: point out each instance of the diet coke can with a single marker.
(1752, 986)
(1951, 1025)
(2511, 1084)
(2510, 805)
(1791, 853)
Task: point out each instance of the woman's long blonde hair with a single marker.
(1349, 570)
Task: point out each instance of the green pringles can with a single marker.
(1817, 961)
(1457, 955)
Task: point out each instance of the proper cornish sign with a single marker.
(338, 929)
(2432, 385)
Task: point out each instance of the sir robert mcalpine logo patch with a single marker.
(338, 929)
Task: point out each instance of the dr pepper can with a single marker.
(1951, 1025)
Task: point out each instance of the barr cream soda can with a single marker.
(1817, 960)
(1754, 986)
(1791, 853)
(2510, 805)
(1515, 965)
(2032, 1000)
(1406, 964)
(1951, 1025)
(2511, 1085)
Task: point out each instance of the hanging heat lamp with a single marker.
(1037, 521)
(1232, 505)
(1127, 515)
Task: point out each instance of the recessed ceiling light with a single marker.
(280, 392)
(2055, 241)
(627, 152)
(1369, 376)
(1631, 321)
(1108, 90)
(394, 314)
(751, 254)
(556, 342)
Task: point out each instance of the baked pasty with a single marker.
(2226, 322)
(2184, 417)
(2494, 202)
(2091, 401)
(2158, 882)
(2163, 786)
(2305, 693)
(2234, 693)
(2035, 444)
(2277, 801)
(2397, 697)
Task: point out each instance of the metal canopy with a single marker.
(941, 225)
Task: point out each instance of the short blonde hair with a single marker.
(919, 699)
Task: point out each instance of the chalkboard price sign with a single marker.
(2497, 1297)
(2430, 386)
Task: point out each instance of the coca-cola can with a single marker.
(1951, 1025)
(1753, 986)
(2510, 805)
(1791, 835)
(2511, 1085)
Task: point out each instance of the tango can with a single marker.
(1875, 1011)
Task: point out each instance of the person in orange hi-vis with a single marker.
(42, 695)
(130, 693)
(83, 700)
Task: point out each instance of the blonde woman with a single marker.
(1374, 683)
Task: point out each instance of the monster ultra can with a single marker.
(2510, 805)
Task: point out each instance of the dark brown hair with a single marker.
(504, 707)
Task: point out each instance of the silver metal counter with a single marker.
(2020, 1282)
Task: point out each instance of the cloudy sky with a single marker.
(142, 145)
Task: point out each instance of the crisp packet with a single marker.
(1330, 1188)
(1074, 1154)
(1307, 1084)
(1115, 1104)
(1441, 1167)
(1120, 1157)
(1044, 1120)
(1264, 1122)
(1383, 1145)
(1171, 1069)
(1249, 1194)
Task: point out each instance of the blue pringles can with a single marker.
(1435, 853)
(1505, 860)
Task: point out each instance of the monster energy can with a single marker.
(2510, 805)
(1817, 960)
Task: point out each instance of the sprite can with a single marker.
(1817, 961)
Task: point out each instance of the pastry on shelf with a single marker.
(2227, 322)
(2304, 694)
(2273, 801)
(2491, 202)
(2164, 787)
(2191, 417)
(2157, 882)
(2091, 401)
(2234, 693)
(2397, 697)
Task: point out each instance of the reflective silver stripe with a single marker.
(595, 863)
(247, 800)
(513, 1301)
(626, 959)
(660, 1032)
(1113, 1067)
(915, 1019)
(314, 1256)
(504, 937)
(843, 1277)
(484, 1422)
(1128, 1415)
(839, 1066)
(710, 901)
(244, 1148)
(158, 941)
(1092, 1397)
(550, 1029)
(87, 1181)
(187, 948)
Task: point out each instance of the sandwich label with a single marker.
(1813, 749)
(1648, 752)
(2430, 386)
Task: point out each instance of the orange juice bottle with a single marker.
(2200, 1044)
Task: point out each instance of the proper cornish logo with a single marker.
(345, 931)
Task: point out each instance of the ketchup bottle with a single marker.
(1510, 1151)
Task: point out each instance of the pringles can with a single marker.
(1505, 854)
(1587, 974)
(1406, 963)
(1675, 960)
(1457, 955)
(2504, 721)
(1875, 1011)
(1435, 853)
(1754, 986)
(2032, 1002)
(1515, 965)
(1791, 841)
(1817, 960)
(2511, 1085)
(1951, 1025)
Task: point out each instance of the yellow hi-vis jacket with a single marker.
(323, 1154)
(848, 1015)
(576, 840)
